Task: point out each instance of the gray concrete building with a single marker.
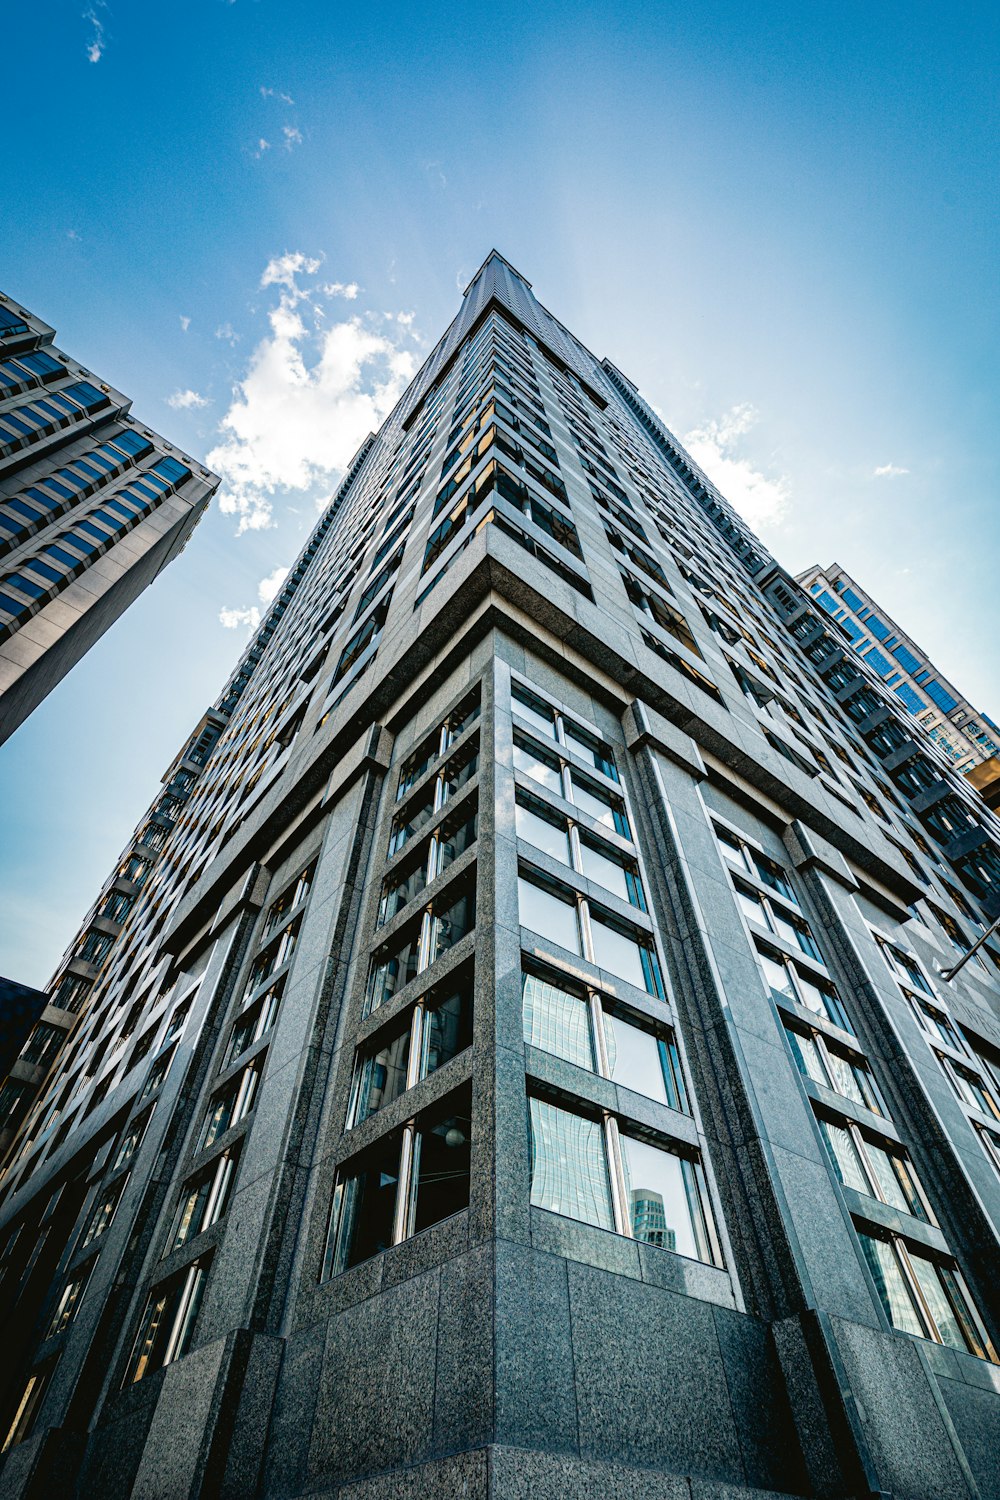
(92, 506)
(528, 1068)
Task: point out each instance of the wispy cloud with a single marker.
(276, 94)
(232, 619)
(759, 499)
(185, 323)
(292, 135)
(251, 616)
(888, 471)
(187, 400)
(227, 333)
(262, 146)
(98, 37)
(269, 586)
(311, 392)
(346, 289)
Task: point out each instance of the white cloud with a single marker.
(889, 471)
(346, 289)
(185, 323)
(293, 136)
(309, 396)
(187, 400)
(262, 146)
(71, 234)
(228, 333)
(758, 498)
(269, 586)
(282, 270)
(276, 94)
(98, 40)
(232, 619)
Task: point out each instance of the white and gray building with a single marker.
(527, 1068)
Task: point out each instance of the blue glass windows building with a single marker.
(92, 506)
(527, 1066)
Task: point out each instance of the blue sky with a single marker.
(779, 220)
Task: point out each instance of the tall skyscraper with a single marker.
(527, 1068)
(92, 506)
(966, 736)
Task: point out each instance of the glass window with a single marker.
(393, 967)
(569, 1169)
(544, 769)
(895, 1180)
(551, 916)
(590, 749)
(891, 1285)
(616, 950)
(447, 1022)
(600, 805)
(664, 1203)
(168, 1322)
(381, 1076)
(603, 866)
(206, 1199)
(364, 1207)
(542, 831)
(640, 1060)
(808, 1058)
(103, 1212)
(557, 1021)
(454, 916)
(844, 1155)
(533, 710)
(233, 1101)
(442, 1165)
(69, 1301)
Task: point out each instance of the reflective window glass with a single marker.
(549, 915)
(557, 1021)
(569, 1169)
(663, 1200)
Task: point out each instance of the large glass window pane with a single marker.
(600, 805)
(844, 1155)
(890, 1283)
(618, 953)
(551, 836)
(548, 915)
(663, 1200)
(823, 1002)
(777, 976)
(537, 713)
(638, 1060)
(364, 1205)
(847, 1079)
(600, 865)
(442, 1160)
(455, 919)
(808, 1058)
(543, 769)
(569, 1169)
(751, 906)
(590, 750)
(381, 1076)
(557, 1021)
(895, 1180)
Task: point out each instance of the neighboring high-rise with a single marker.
(965, 736)
(92, 506)
(526, 1068)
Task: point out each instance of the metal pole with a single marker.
(949, 974)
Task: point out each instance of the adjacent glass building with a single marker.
(525, 1068)
(967, 737)
(92, 506)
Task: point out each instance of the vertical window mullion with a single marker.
(418, 1043)
(600, 1036)
(866, 1166)
(616, 1174)
(586, 933)
(424, 942)
(576, 852)
(404, 1187)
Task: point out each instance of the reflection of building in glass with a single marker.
(649, 1219)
